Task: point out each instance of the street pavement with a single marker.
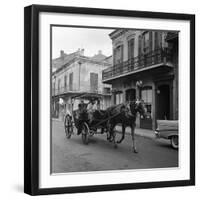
(71, 155)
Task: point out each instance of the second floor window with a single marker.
(71, 81)
(118, 54)
(54, 87)
(131, 44)
(94, 82)
(58, 85)
(147, 42)
(65, 81)
(157, 39)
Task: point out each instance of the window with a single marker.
(106, 90)
(157, 40)
(93, 82)
(140, 45)
(71, 81)
(118, 54)
(131, 44)
(147, 42)
(65, 82)
(54, 88)
(119, 98)
(58, 85)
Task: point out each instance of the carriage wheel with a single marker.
(85, 133)
(174, 141)
(68, 126)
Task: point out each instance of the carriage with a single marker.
(78, 120)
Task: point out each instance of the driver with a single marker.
(81, 106)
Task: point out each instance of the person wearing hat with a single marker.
(91, 108)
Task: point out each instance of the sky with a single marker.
(70, 39)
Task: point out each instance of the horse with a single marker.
(124, 114)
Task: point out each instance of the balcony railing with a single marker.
(65, 90)
(171, 36)
(145, 60)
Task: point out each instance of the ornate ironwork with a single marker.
(142, 61)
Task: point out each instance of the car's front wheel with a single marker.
(174, 141)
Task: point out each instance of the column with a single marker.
(153, 106)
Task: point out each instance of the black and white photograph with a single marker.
(109, 100)
(114, 99)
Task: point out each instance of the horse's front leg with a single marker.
(123, 134)
(133, 138)
(110, 132)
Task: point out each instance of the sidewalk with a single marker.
(138, 131)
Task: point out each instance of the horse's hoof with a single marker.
(118, 142)
(111, 139)
(135, 151)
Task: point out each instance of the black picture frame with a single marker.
(31, 98)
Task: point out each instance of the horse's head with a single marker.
(137, 106)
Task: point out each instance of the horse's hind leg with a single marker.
(123, 134)
(109, 134)
(133, 139)
(112, 135)
(110, 128)
(114, 141)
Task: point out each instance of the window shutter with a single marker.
(122, 53)
(65, 80)
(131, 48)
(159, 39)
(150, 41)
(71, 81)
(156, 41)
(114, 57)
(140, 45)
(94, 82)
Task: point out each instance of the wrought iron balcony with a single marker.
(67, 90)
(62, 90)
(159, 56)
(171, 36)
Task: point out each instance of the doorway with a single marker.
(163, 102)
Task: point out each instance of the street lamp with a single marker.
(139, 83)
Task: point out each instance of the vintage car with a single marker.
(168, 129)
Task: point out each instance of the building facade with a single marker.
(75, 74)
(145, 65)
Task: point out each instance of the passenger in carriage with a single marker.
(91, 108)
(81, 106)
(81, 110)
